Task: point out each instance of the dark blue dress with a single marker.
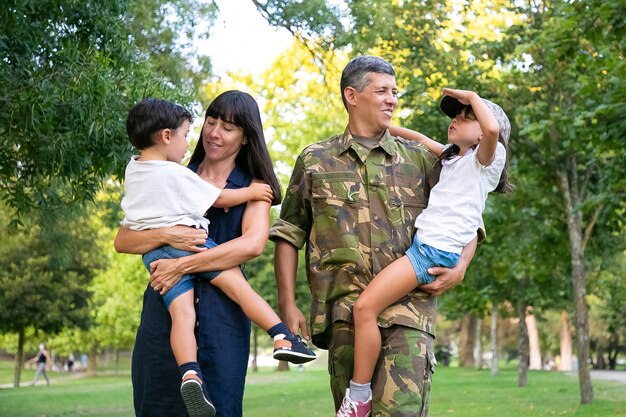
(222, 333)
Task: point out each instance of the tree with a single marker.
(569, 98)
(69, 72)
(42, 288)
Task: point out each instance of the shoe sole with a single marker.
(195, 402)
(293, 357)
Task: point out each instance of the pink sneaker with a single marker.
(351, 408)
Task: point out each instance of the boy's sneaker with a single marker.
(292, 349)
(351, 408)
(196, 400)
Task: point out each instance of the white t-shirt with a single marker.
(457, 202)
(165, 194)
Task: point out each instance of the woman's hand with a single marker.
(164, 274)
(185, 238)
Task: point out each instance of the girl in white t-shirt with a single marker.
(472, 165)
(159, 192)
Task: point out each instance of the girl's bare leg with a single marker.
(391, 284)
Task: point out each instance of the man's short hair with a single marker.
(355, 73)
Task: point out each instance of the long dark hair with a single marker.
(503, 187)
(240, 109)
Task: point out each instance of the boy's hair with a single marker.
(150, 116)
(355, 73)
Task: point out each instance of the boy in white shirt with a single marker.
(471, 166)
(159, 192)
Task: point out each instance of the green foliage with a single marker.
(69, 73)
(45, 273)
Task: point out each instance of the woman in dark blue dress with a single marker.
(230, 153)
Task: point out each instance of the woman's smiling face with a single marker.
(221, 140)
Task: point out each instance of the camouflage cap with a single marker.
(451, 107)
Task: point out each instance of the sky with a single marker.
(242, 40)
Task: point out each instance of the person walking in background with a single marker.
(43, 360)
(70, 362)
(353, 200)
(471, 166)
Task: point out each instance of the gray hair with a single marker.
(355, 74)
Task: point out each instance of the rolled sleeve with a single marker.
(288, 232)
(294, 224)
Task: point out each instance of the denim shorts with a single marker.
(423, 256)
(186, 282)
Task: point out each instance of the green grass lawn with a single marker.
(457, 392)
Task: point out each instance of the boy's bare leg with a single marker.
(182, 337)
(235, 286)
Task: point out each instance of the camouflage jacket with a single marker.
(355, 212)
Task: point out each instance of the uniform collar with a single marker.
(387, 142)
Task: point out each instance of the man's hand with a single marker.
(446, 278)
(295, 321)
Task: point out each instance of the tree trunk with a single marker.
(614, 348)
(568, 181)
(117, 361)
(522, 374)
(466, 344)
(565, 364)
(19, 358)
(283, 366)
(478, 347)
(93, 360)
(533, 343)
(495, 368)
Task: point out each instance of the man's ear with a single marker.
(350, 95)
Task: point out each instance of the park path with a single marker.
(619, 376)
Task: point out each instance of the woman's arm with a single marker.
(143, 241)
(254, 233)
(434, 146)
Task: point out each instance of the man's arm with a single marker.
(451, 277)
(285, 269)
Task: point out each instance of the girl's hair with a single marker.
(240, 109)
(503, 187)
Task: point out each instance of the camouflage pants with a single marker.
(403, 375)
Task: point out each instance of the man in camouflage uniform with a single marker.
(353, 200)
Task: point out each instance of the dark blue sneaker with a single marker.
(196, 400)
(292, 349)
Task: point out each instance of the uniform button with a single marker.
(197, 300)
(197, 324)
(376, 218)
(376, 250)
